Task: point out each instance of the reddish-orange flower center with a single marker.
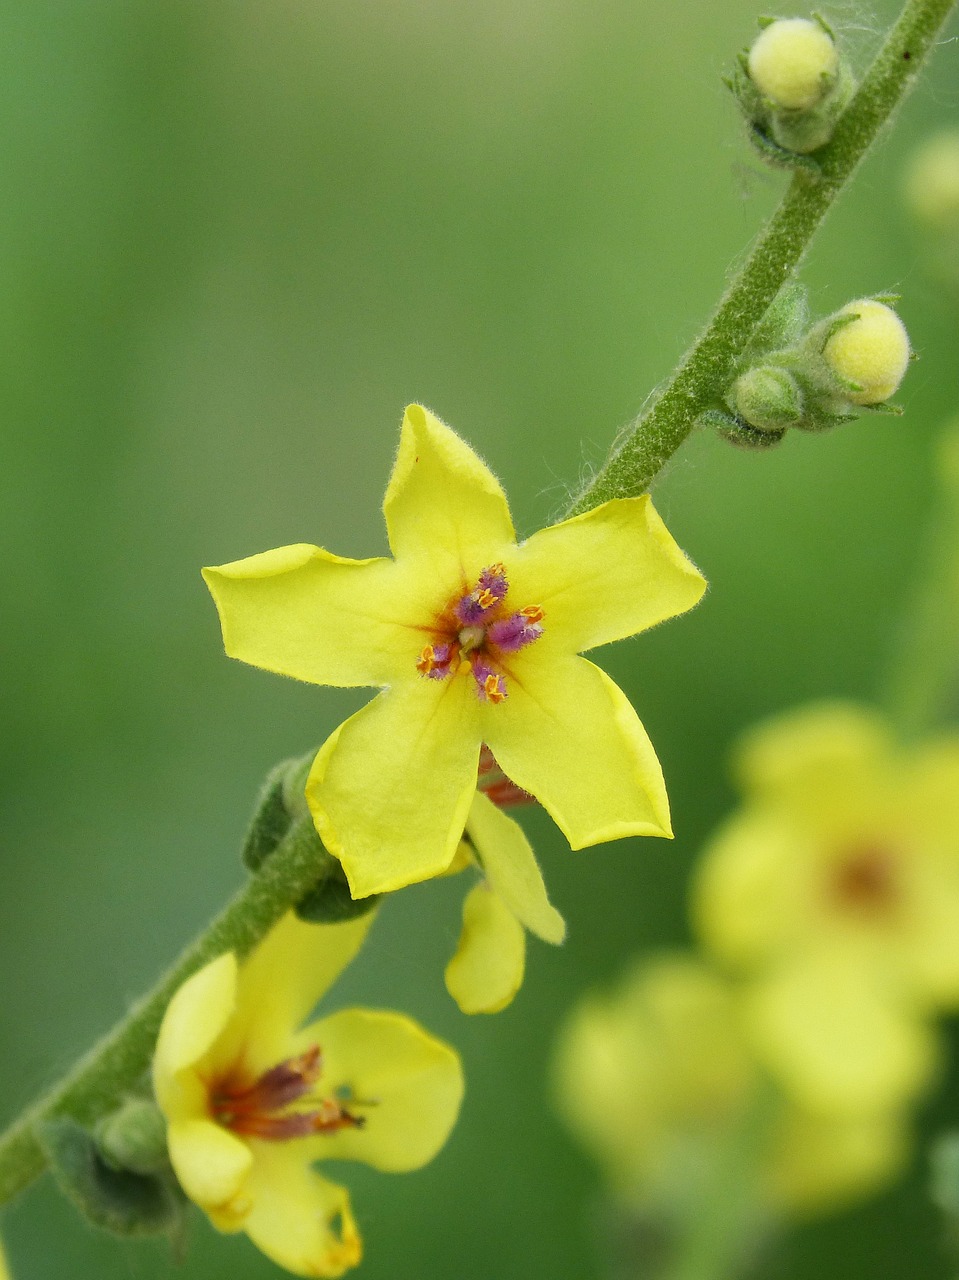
(266, 1108)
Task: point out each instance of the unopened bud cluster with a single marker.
(813, 377)
(792, 85)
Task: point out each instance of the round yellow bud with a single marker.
(792, 61)
(932, 180)
(872, 351)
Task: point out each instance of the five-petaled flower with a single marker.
(253, 1098)
(835, 891)
(474, 638)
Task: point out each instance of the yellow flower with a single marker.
(474, 638)
(253, 1098)
(487, 968)
(658, 1078)
(4, 1269)
(836, 890)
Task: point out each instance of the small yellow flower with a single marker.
(474, 638)
(793, 62)
(932, 181)
(253, 1097)
(870, 354)
(4, 1268)
(487, 969)
(656, 1079)
(836, 891)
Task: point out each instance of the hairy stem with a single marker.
(646, 445)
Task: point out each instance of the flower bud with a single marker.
(932, 181)
(869, 353)
(767, 398)
(793, 62)
(134, 1137)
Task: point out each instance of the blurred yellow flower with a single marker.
(474, 639)
(836, 890)
(253, 1098)
(658, 1078)
(932, 181)
(4, 1269)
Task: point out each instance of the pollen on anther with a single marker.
(493, 688)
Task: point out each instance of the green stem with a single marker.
(924, 674)
(646, 445)
(118, 1062)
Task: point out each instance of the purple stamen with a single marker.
(489, 592)
(514, 632)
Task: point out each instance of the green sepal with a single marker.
(765, 20)
(116, 1200)
(281, 802)
(818, 18)
(330, 900)
(781, 157)
(738, 432)
(887, 407)
(783, 324)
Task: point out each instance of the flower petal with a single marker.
(211, 1164)
(840, 1043)
(279, 985)
(606, 574)
(568, 735)
(808, 748)
(443, 504)
(406, 1083)
(194, 1019)
(306, 613)
(299, 1219)
(391, 788)
(487, 968)
(756, 892)
(821, 1163)
(510, 866)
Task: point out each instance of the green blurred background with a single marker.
(235, 239)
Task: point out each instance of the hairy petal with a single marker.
(391, 788)
(569, 736)
(510, 866)
(605, 575)
(487, 968)
(407, 1084)
(299, 1219)
(306, 613)
(443, 505)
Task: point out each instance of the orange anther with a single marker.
(493, 688)
(426, 661)
(486, 598)
(533, 613)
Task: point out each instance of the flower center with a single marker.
(866, 881)
(477, 631)
(267, 1108)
